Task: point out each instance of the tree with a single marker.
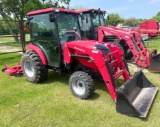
(19, 8)
(132, 22)
(157, 17)
(4, 30)
(114, 19)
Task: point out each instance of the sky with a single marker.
(125, 8)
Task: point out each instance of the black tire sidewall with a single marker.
(89, 86)
(40, 70)
(27, 58)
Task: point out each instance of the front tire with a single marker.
(33, 69)
(128, 54)
(81, 85)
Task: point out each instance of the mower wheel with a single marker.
(33, 69)
(81, 85)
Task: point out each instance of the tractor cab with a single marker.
(90, 20)
(50, 28)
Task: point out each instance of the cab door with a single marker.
(44, 35)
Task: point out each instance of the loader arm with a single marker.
(141, 54)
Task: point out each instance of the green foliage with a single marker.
(157, 17)
(141, 20)
(32, 5)
(133, 22)
(19, 8)
(4, 28)
(114, 19)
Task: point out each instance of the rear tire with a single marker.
(81, 85)
(33, 69)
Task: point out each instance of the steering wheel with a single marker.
(69, 35)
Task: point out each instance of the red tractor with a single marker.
(93, 27)
(151, 27)
(56, 44)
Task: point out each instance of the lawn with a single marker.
(51, 104)
(6, 38)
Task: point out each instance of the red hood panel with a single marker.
(84, 43)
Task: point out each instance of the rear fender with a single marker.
(39, 52)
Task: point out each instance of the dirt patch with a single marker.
(7, 49)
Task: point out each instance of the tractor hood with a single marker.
(82, 45)
(90, 44)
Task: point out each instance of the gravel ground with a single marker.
(6, 49)
(133, 67)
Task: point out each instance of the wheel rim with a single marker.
(78, 86)
(29, 68)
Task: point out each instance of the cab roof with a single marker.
(41, 11)
(87, 10)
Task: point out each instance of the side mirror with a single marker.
(51, 17)
(28, 20)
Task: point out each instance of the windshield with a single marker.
(68, 28)
(86, 25)
(89, 24)
(96, 21)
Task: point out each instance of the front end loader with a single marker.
(132, 41)
(93, 27)
(56, 44)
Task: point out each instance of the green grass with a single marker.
(153, 43)
(51, 104)
(11, 39)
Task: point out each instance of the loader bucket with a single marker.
(135, 96)
(154, 64)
